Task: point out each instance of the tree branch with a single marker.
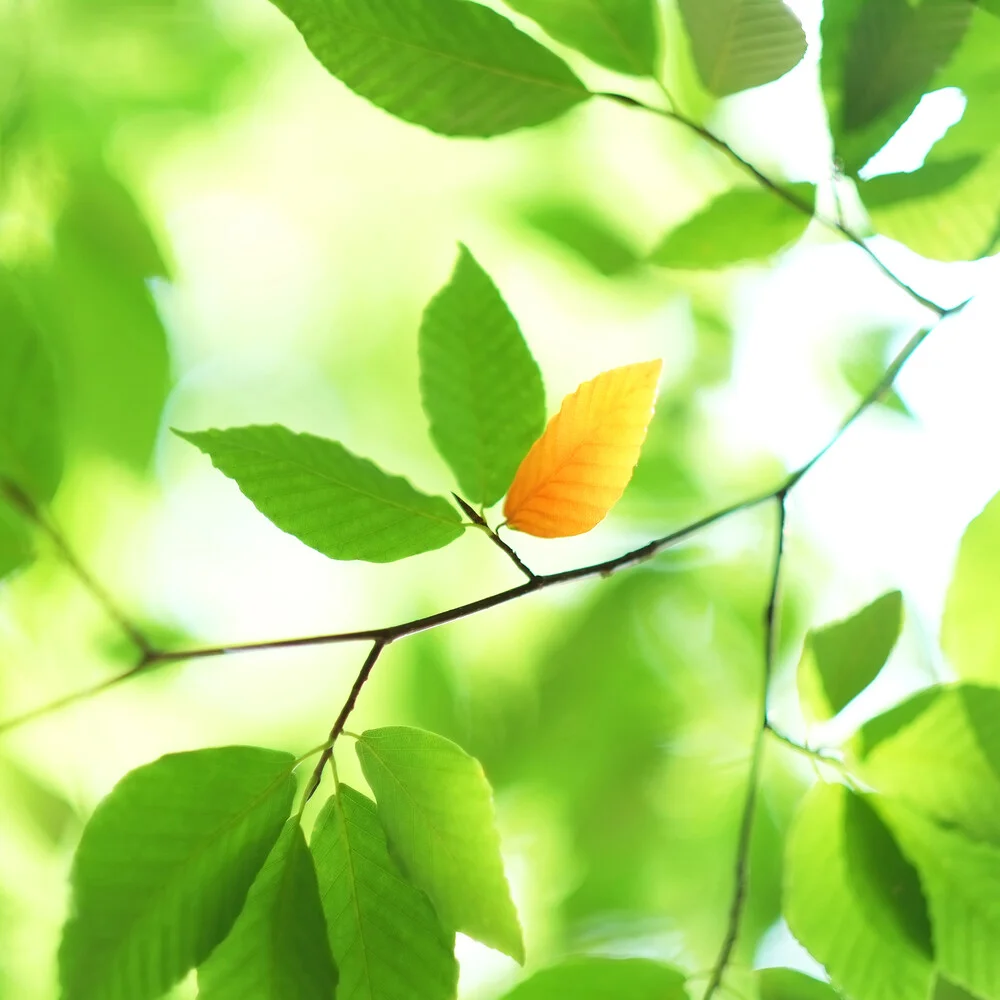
(789, 197)
(480, 522)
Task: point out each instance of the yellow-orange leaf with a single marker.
(579, 468)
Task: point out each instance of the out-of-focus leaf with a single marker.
(961, 878)
(939, 753)
(30, 440)
(341, 505)
(164, 867)
(790, 984)
(584, 234)
(739, 225)
(739, 44)
(840, 660)
(619, 34)
(43, 806)
(579, 468)
(893, 51)
(385, 935)
(437, 809)
(15, 541)
(603, 979)
(456, 68)
(970, 628)
(481, 387)
(108, 339)
(278, 947)
(931, 179)
(854, 901)
(863, 364)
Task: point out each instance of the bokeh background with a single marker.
(214, 232)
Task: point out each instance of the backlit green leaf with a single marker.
(739, 44)
(341, 505)
(853, 900)
(619, 34)
(278, 947)
(790, 984)
(970, 628)
(603, 979)
(437, 809)
(385, 935)
(481, 387)
(15, 540)
(454, 67)
(745, 224)
(840, 660)
(164, 867)
(863, 364)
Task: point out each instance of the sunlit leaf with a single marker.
(481, 387)
(619, 34)
(30, 442)
(744, 224)
(863, 364)
(385, 935)
(578, 229)
(961, 878)
(840, 660)
(603, 979)
(970, 628)
(939, 752)
(454, 67)
(278, 947)
(790, 984)
(853, 900)
(437, 809)
(341, 505)
(739, 44)
(577, 470)
(164, 867)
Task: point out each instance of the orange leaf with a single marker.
(579, 468)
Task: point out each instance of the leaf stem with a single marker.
(480, 522)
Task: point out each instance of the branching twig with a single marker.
(742, 871)
(480, 522)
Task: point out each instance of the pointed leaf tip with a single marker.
(579, 468)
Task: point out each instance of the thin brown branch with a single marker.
(480, 522)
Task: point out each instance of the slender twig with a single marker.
(480, 522)
(789, 197)
(742, 870)
(22, 502)
(157, 658)
(338, 727)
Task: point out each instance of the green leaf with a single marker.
(840, 660)
(970, 628)
(962, 880)
(30, 444)
(790, 984)
(481, 388)
(603, 979)
(15, 541)
(341, 505)
(164, 866)
(619, 34)
(578, 229)
(278, 947)
(894, 50)
(108, 340)
(385, 935)
(739, 44)
(931, 179)
(863, 364)
(940, 754)
(455, 67)
(437, 808)
(853, 900)
(744, 224)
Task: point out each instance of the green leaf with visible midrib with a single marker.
(745, 224)
(481, 387)
(602, 979)
(436, 807)
(619, 34)
(164, 866)
(739, 44)
(339, 504)
(278, 947)
(452, 66)
(384, 933)
(840, 660)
